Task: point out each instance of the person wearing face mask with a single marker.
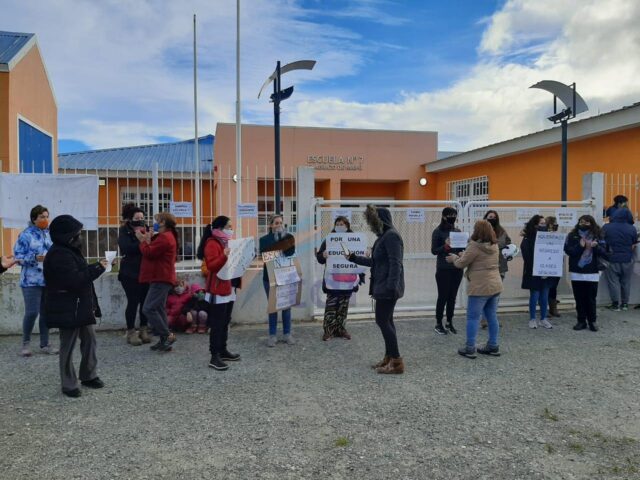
(338, 288)
(221, 293)
(448, 277)
(538, 286)
(552, 226)
(584, 246)
(29, 251)
(622, 238)
(70, 303)
(278, 239)
(196, 310)
(158, 269)
(136, 292)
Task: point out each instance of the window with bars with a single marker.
(469, 189)
(143, 198)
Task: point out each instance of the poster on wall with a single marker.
(336, 245)
(415, 215)
(181, 209)
(567, 217)
(548, 254)
(242, 251)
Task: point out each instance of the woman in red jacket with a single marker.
(158, 269)
(221, 293)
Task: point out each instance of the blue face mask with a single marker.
(156, 227)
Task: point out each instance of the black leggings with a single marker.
(553, 290)
(585, 294)
(136, 294)
(384, 319)
(448, 282)
(219, 319)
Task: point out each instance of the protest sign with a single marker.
(566, 217)
(181, 209)
(459, 239)
(548, 254)
(336, 242)
(247, 210)
(242, 251)
(415, 215)
(523, 215)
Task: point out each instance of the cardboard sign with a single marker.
(247, 210)
(242, 252)
(459, 239)
(567, 217)
(548, 254)
(523, 215)
(282, 269)
(336, 244)
(415, 215)
(286, 275)
(181, 209)
(341, 212)
(287, 296)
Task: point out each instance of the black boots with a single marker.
(217, 363)
(583, 326)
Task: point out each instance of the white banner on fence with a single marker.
(241, 253)
(523, 215)
(247, 210)
(354, 242)
(181, 209)
(459, 239)
(75, 195)
(341, 212)
(567, 217)
(415, 215)
(548, 254)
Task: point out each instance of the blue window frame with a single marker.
(36, 149)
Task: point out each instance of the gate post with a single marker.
(305, 238)
(593, 189)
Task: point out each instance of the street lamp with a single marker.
(277, 96)
(574, 104)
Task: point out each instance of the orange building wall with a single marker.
(4, 121)
(535, 175)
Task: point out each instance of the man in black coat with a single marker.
(71, 304)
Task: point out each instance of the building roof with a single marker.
(171, 157)
(442, 154)
(14, 46)
(621, 119)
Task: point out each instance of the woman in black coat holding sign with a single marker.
(70, 302)
(387, 282)
(338, 287)
(538, 286)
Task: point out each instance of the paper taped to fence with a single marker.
(242, 251)
(75, 195)
(548, 254)
(415, 215)
(341, 212)
(523, 215)
(566, 217)
(181, 209)
(336, 261)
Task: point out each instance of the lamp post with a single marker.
(574, 104)
(277, 96)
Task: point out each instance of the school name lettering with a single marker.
(335, 162)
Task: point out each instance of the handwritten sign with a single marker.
(181, 209)
(566, 217)
(459, 239)
(523, 215)
(354, 242)
(548, 254)
(286, 275)
(415, 215)
(287, 296)
(247, 210)
(241, 253)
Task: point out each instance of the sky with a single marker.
(122, 69)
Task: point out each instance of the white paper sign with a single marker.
(75, 195)
(415, 215)
(247, 210)
(287, 296)
(341, 212)
(110, 255)
(566, 217)
(548, 254)
(523, 215)
(336, 262)
(459, 239)
(181, 209)
(286, 275)
(242, 251)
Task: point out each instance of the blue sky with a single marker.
(122, 70)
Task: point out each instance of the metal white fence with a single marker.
(627, 184)
(419, 263)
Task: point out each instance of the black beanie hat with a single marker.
(63, 228)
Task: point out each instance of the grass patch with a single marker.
(577, 447)
(549, 415)
(342, 442)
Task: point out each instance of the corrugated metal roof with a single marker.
(11, 43)
(171, 157)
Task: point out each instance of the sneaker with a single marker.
(546, 324)
(451, 328)
(156, 346)
(26, 350)
(75, 393)
(614, 307)
(467, 351)
(217, 363)
(288, 339)
(624, 307)
(227, 356)
(48, 350)
(494, 351)
(271, 341)
(95, 383)
(440, 330)
(533, 323)
(165, 344)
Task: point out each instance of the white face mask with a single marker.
(340, 228)
(228, 232)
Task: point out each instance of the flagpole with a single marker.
(196, 154)
(238, 126)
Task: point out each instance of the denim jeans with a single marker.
(273, 317)
(32, 299)
(476, 307)
(538, 297)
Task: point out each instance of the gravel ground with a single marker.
(557, 405)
